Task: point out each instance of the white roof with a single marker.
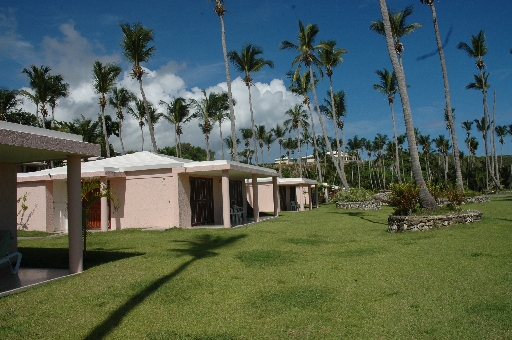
(143, 160)
(286, 181)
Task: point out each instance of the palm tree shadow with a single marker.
(362, 215)
(204, 246)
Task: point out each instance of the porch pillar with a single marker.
(316, 195)
(276, 195)
(75, 215)
(288, 198)
(310, 197)
(105, 213)
(255, 204)
(225, 199)
(300, 195)
(8, 204)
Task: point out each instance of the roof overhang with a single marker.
(236, 170)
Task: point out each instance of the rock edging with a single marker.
(364, 205)
(417, 223)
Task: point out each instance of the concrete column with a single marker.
(287, 202)
(255, 205)
(300, 197)
(225, 199)
(76, 253)
(310, 197)
(105, 213)
(275, 189)
(316, 195)
(8, 205)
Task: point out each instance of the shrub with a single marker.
(455, 196)
(404, 198)
(471, 193)
(436, 190)
(353, 195)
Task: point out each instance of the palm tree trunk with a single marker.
(333, 111)
(340, 171)
(148, 117)
(426, 199)
(280, 158)
(104, 128)
(397, 159)
(176, 139)
(221, 141)
(230, 95)
(298, 151)
(142, 132)
(207, 138)
(456, 158)
(317, 159)
(121, 136)
(493, 129)
(252, 123)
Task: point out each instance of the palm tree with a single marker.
(483, 127)
(58, 89)
(398, 28)
(269, 139)
(8, 101)
(330, 57)
(448, 109)
(247, 134)
(247, 62)
(298, 119)
(306, 49)
(355, 145)
(219, 106)
(389, 87)
(219, 9)
(301, 87)
(104, 78)
(139, 113)
(279, 132)
(443, 146)
(425, 198)
(425, 143)
(177, 113)
(229, 143)
(501, 132)
(136, 50)
(88, 129)
(206, 112)
(39, 82)
(260, 136)
(120, 99)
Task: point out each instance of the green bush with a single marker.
(471, 193)
(436, 190)
(455, 196)
(353, 195)
(404, 198)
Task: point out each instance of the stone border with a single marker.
(417, 223)
(364, 205)
(478, 199)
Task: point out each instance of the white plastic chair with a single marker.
(5, 242)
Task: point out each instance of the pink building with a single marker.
(153, 191)
(294, 194)
(22, 144)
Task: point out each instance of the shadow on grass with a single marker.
(204, 246)
(58, 258)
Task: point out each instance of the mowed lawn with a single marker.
(321, 274)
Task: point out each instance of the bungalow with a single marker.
(153, 191)
(294, 194)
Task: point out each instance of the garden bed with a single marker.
(417, 223)
(364, 205)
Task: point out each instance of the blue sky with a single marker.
(69, 35)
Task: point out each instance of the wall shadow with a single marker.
(202, 247)
(58, 258)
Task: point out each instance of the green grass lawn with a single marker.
(321, 274)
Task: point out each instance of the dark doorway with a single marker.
(235, 193)
(282, 198)
(201, 201)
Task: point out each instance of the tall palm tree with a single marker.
(136, 39)
(219, 9)
(260, 136)
(8, 101)
(207, 109)
(279, 132)
(120, 99)
(483, 126)
(247, 134)
(58, 89)
(306, 48)
(229, 143)
(425, 198)
(104, 79)
(269, 139)
(39, 82)
(221, 113)
(247, 62)
(355, 145)
(398, 28)
(443, 146)
(425, 143)
(87, 128)
(388, 86)
(301, 87)
(501, 132)
(330, 57)
(448, 108)
(466, 125)
(139, 113)
(298, 120)
(177, 112)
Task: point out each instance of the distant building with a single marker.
(285, 160)
(346, 157)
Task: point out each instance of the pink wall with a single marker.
(39, 215)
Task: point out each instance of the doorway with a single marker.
(201, 201)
